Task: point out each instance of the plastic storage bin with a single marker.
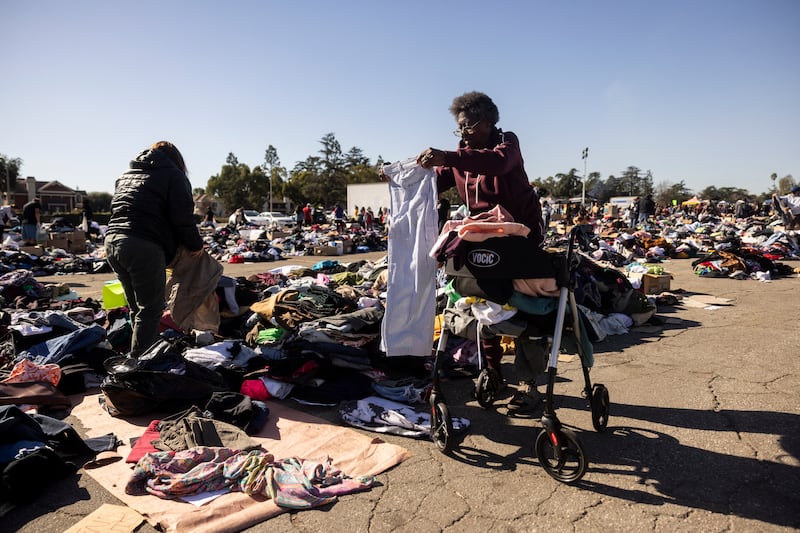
(113, 295)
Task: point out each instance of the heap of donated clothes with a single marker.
(740, 248)
(209, 451)
(309, 334)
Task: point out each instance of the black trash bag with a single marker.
(160, 379)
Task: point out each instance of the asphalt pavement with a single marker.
(704, 435)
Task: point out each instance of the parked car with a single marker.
(319, 216)
(279, 219)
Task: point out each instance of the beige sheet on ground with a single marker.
(288, 433)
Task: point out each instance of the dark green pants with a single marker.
(141, 268)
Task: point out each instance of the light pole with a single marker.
(584, 156)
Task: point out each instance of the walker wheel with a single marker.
(441, 426)
(564, 460)
(600, 407)
(486, 387)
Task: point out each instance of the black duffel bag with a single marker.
(160, 379)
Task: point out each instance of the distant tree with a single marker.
(334, 170)
(362, 173)
(198, 190)
(593, 181)
(101, 201)
(785, 184)
(323, 179)
(665, 192)
(306, 181)
(547, 184)
(239, 186)
(271, 159)
(773, 177)
(258, 189)
(275, 173)
(567, 185)
(727, 194)
(9, 171)
(602, 190)
(355, 157)
(633, 181)
(709, 193)
(646, 185)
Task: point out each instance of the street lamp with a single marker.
(584, 156)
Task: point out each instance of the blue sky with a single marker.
(704, 91)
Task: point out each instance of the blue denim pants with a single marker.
(140, 266)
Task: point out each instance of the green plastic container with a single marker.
(113, 295)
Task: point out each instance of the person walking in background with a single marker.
(88, 214)
(634, 212)
(338, 218)
(208, 220)
(31, 218)
(369, 219)
(647, 207)
(308, 220)
(6, 214)
(88, 219)
(595, 210)
(547, 212)
(791, 211)
(152, 214)
(237, 219)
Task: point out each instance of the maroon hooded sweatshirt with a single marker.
(488, 177)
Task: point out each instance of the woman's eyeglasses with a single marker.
(465, 129)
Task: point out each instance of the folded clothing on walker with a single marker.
(496, 267)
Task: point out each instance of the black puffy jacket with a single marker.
(153, 200)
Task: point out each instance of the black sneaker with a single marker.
(527, 398)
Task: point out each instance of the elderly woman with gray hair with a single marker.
(487, 170)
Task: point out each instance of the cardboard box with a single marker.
(277, 234)
(656, 283)
(33, 250)
(77, 242)
(71, 241)
(57, 240)
(326, 250)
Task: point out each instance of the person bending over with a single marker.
(151, 216)
(791, 203)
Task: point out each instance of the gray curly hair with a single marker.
(477, 105)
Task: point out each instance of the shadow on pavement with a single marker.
(668, 471)
(689, 476)
(58, 494)
(750, 487)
